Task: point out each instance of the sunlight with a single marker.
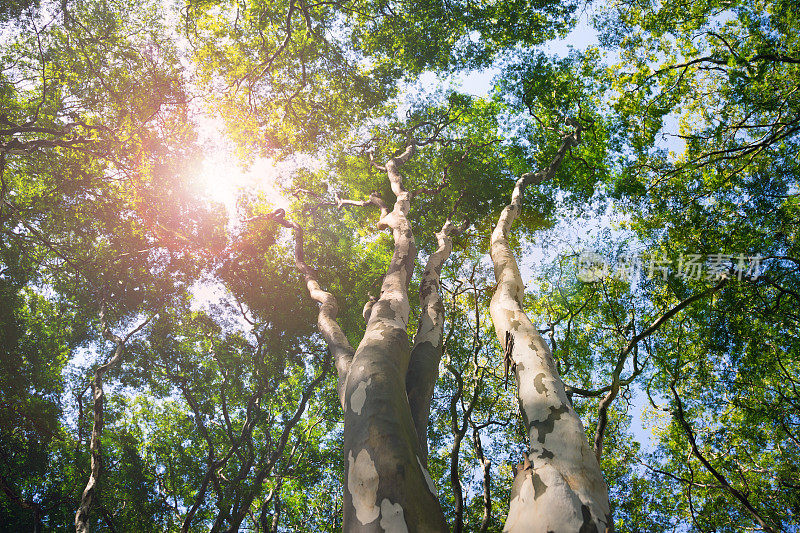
(222, 177)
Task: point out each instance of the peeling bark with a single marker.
(423, 369)
(561, 489)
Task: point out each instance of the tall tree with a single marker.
(559, 487)
(223, 413)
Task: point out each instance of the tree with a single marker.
(559, 486)
(84, 146)
(223, 412)
(720, 70)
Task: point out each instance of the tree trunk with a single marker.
(423, 370)
(90, 490)
(559, 487)
(387, 488)
(89, 496)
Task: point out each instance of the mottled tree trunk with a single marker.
(560, 487)
(386, 486)
(423, 370)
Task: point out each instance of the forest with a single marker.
(399, 266)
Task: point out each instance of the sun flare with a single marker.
(222, 177)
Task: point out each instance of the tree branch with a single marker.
(423, 367)
(613, 389)
(90, 495)
(330, 330)
(681, 418)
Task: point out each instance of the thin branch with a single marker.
(632, 345)
(90, 495)
(329, 328)
(681, 418)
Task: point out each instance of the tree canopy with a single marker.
(172, 360)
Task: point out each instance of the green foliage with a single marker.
(691, 116)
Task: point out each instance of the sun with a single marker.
(222, 177)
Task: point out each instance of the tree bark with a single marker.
(89, 492)
(559, 487)
(387, 488)
(423, 369)
(331, 332)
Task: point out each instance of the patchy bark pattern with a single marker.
(423, 370)
(562, 488)
(383, 428)
(386, 485)
(363, 486)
